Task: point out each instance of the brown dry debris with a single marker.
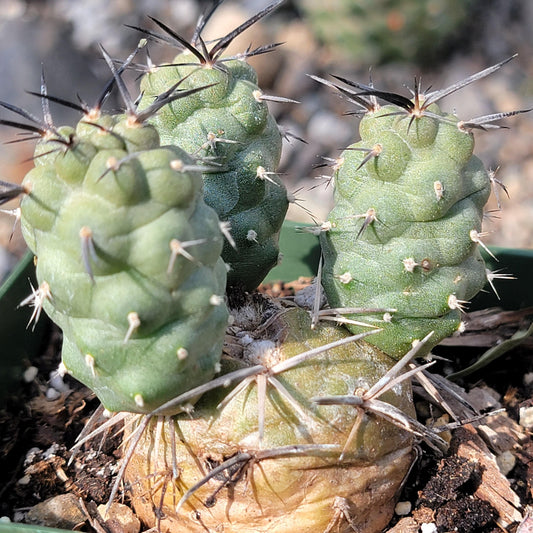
(57, 416)
(406, 525)
(524, 470)
(494, 487)
(489, 327)
(501, 433)
(467, 493)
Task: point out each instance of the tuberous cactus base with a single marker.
(306, 488)
(315, 499)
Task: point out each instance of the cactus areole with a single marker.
(128, 261)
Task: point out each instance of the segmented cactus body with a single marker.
(128, 261)
(404, 231)
(229, 125)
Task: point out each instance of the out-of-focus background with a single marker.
(392, 40)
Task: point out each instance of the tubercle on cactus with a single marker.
(406, 226)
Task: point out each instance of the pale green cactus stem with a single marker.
(128, 258)
(405, 231)
(231, 128)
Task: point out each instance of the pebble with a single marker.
(24, 480)
(484, 398)
(31, 455)
(441, 421)
(428, 528)
(120, 518)
(61, 511)
(506, 462)
(51, 451)
(526, 417)
(30, 374)
(56, 382)
(52, 394)
(403, 508)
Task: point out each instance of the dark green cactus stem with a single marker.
(405, 230)
(128, 261)
(229, 125)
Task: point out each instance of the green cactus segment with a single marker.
(230, 126)
(128, 262)
(405, 226)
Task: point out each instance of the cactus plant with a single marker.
(405, 230)
(131, 265)
(229, 126)
(127, 254)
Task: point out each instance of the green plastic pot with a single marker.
(300, 254)
(514, 294)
